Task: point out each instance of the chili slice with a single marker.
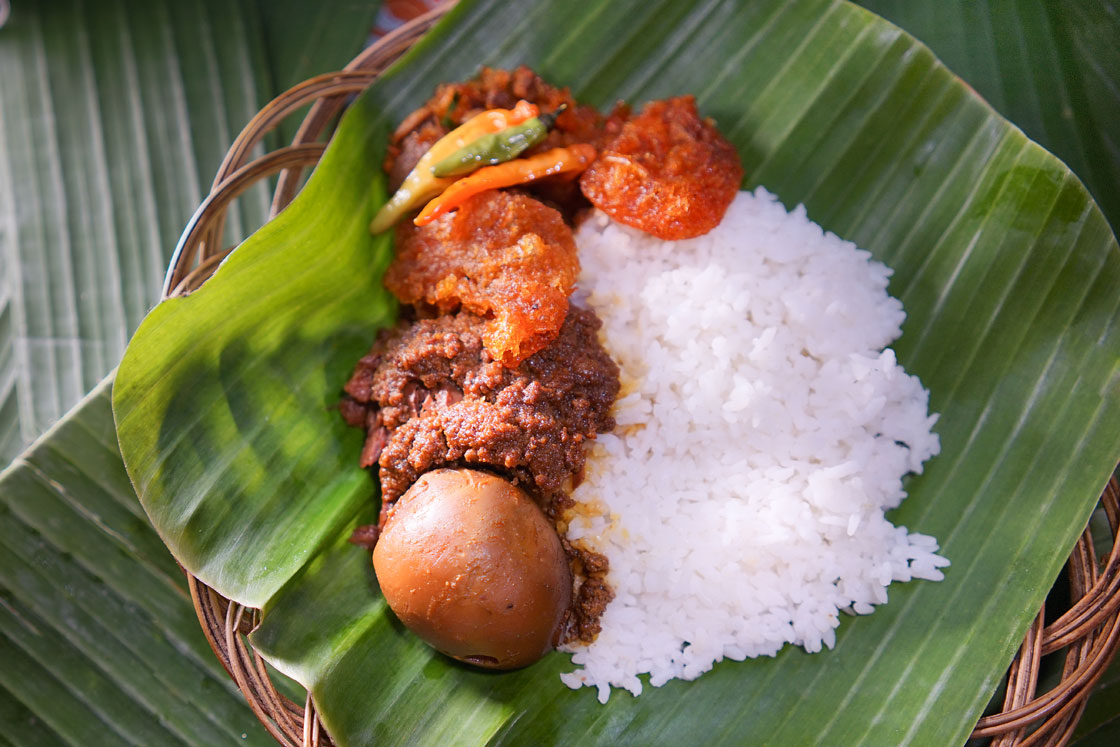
(511, 173)
(498, 147)
(421, 185)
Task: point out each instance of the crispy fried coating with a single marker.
(666, 172)
(501, 255)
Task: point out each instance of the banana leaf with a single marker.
(99, 642)
(1050, 66)
(114, 117)
(1008, 271)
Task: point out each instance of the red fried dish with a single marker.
(501, 255)
(666, 172)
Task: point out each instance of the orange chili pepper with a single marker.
(558, 160)
(421, 184)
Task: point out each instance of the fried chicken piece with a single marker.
(501, 255)
(667, 172)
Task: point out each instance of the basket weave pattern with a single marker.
(1089, 632)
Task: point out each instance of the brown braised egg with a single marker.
(468, 562)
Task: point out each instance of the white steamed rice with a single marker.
(763, 430)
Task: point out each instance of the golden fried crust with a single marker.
(501, 255)
(667, 172)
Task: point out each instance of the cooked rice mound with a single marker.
(763, 429)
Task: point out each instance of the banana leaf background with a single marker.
(100, 643)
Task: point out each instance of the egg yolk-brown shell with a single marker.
(470, 564)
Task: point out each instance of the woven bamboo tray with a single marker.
(1088, 632)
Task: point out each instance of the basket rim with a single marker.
(197, 255)
(1027, 718)
(1089, 631)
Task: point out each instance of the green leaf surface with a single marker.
(245, 493)
(114, 117)
(301, 36)
(305, 39)
(98, 636)
(1050, 66)
(1008, 271)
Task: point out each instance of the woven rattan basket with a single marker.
(1088, 632)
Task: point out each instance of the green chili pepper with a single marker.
(497, 147)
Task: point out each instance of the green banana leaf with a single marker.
(114, 117)
(1009, 273)
(1050, 66)
(99, 642)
